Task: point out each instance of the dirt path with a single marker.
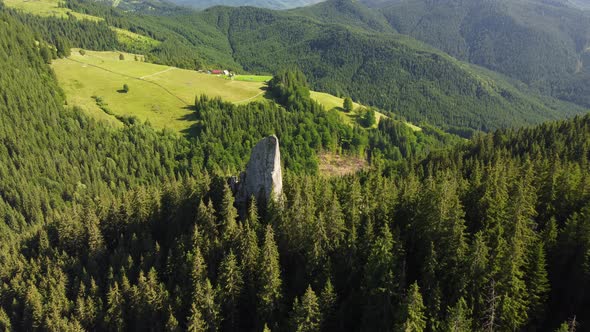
(248, 99)
(158, 73)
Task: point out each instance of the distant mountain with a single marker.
(271, 4)
(346, 12)
(348, 50)
(544, 43)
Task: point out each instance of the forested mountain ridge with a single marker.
(349, 13)
(542, 43)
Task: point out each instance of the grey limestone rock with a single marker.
(263, 178)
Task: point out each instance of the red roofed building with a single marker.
(217, 72)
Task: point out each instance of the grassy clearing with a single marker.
(252, 78)
(135, 40)
(159, 94)
(47, 8)
(331, 102)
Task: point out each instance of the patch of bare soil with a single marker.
(338, 165)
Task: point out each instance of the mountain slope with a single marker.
(387, 70)
(542, 43)
(345, 12)
(272, 4)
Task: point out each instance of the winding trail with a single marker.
(248, 99)
(158, 73)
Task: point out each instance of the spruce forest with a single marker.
(478, 221)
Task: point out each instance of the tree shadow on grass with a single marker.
(196, 127)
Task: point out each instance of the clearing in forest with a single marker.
(159, 94)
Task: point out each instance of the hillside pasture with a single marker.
(252, 78)
(331, 102)
(47, 8)
(132, 39)
(159, 94)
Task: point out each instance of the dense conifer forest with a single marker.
(106, 229)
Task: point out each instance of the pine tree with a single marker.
(537, 282)
(335, 228)
(33, 310)
(195, 322)
(478, 276)
(229, 214)
(414, 315)
(347, 106)
(198, 271)
(249, 255)
(269, 293)
(569, 326)
(381, 284)
(172, 323)
(306, 313)
(459, 318)
(45, 54)
(431, 287)
(205, 219)
(208, 306)
(230, 285)
(490, 314)
(5, 324)
(328, 306)
(550, 235)
(95, 240)
(564, 327)
(252, 219)
(204, 306)
(519, 234)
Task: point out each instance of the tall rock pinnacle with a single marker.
(263, 178)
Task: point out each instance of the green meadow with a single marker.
(331, 102)
(159, 94)
(252, 78)
(46, 8)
